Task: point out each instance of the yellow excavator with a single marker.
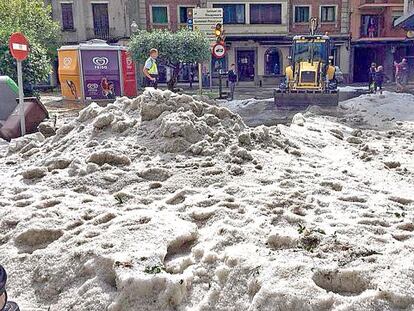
(310, 78)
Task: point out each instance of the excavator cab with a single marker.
(310, 78)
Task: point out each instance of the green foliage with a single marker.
(154, 269)
(34, 19)
(35, 68)
(175, 48)
(179, 47)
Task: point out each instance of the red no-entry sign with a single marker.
(19, 49)
(19, 46)
(219, 50)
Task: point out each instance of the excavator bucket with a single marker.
(304, 98)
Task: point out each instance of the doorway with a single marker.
(246, 64)
(100, 20)
(363, 58)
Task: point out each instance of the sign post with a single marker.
(19, 48)
(205, 21)
(190, 26)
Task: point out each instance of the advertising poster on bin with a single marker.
(101, 74)
(69, 74)
(128, 75)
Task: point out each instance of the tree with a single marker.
(33, 19)
(175, 49)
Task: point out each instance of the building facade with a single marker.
(82, 20)
(256, 38)
(259, 35)
(168, 14)
(375, 39)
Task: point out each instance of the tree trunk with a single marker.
(174, 79)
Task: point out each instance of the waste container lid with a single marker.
(10, 83)
(94, 44)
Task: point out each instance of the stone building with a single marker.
(82, 20)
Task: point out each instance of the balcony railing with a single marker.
(100, 33)
(368, 33)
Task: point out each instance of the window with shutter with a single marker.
(100, 20)
(67, 16)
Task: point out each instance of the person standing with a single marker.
(398, 76)
(380, 78)
(371, 29)
(371, 77)
(232, 78)
(404, 72)
(401, 74)
(151, 69)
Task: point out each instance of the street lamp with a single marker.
(134, 27)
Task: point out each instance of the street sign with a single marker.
(219, 50)
(19, 46)
(19, 49)
(205, 21)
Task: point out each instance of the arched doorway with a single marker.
(272, 62)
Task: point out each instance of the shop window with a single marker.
(302, 14)
(232, 13)
(67, 16)
(328, 14)
(265, 13)
(159, 15)
(272, 62)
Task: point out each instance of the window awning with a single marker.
(406, 21)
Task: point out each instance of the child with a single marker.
(371, 31)
(380, 78)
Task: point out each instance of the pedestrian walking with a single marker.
(232, 78)
(401, 74)
(371, 77)
(380, 78)
(151, 69)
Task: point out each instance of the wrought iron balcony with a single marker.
(100, 33)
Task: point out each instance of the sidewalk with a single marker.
(266, 92)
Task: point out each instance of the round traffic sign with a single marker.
(219, 50)
(19, 46)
